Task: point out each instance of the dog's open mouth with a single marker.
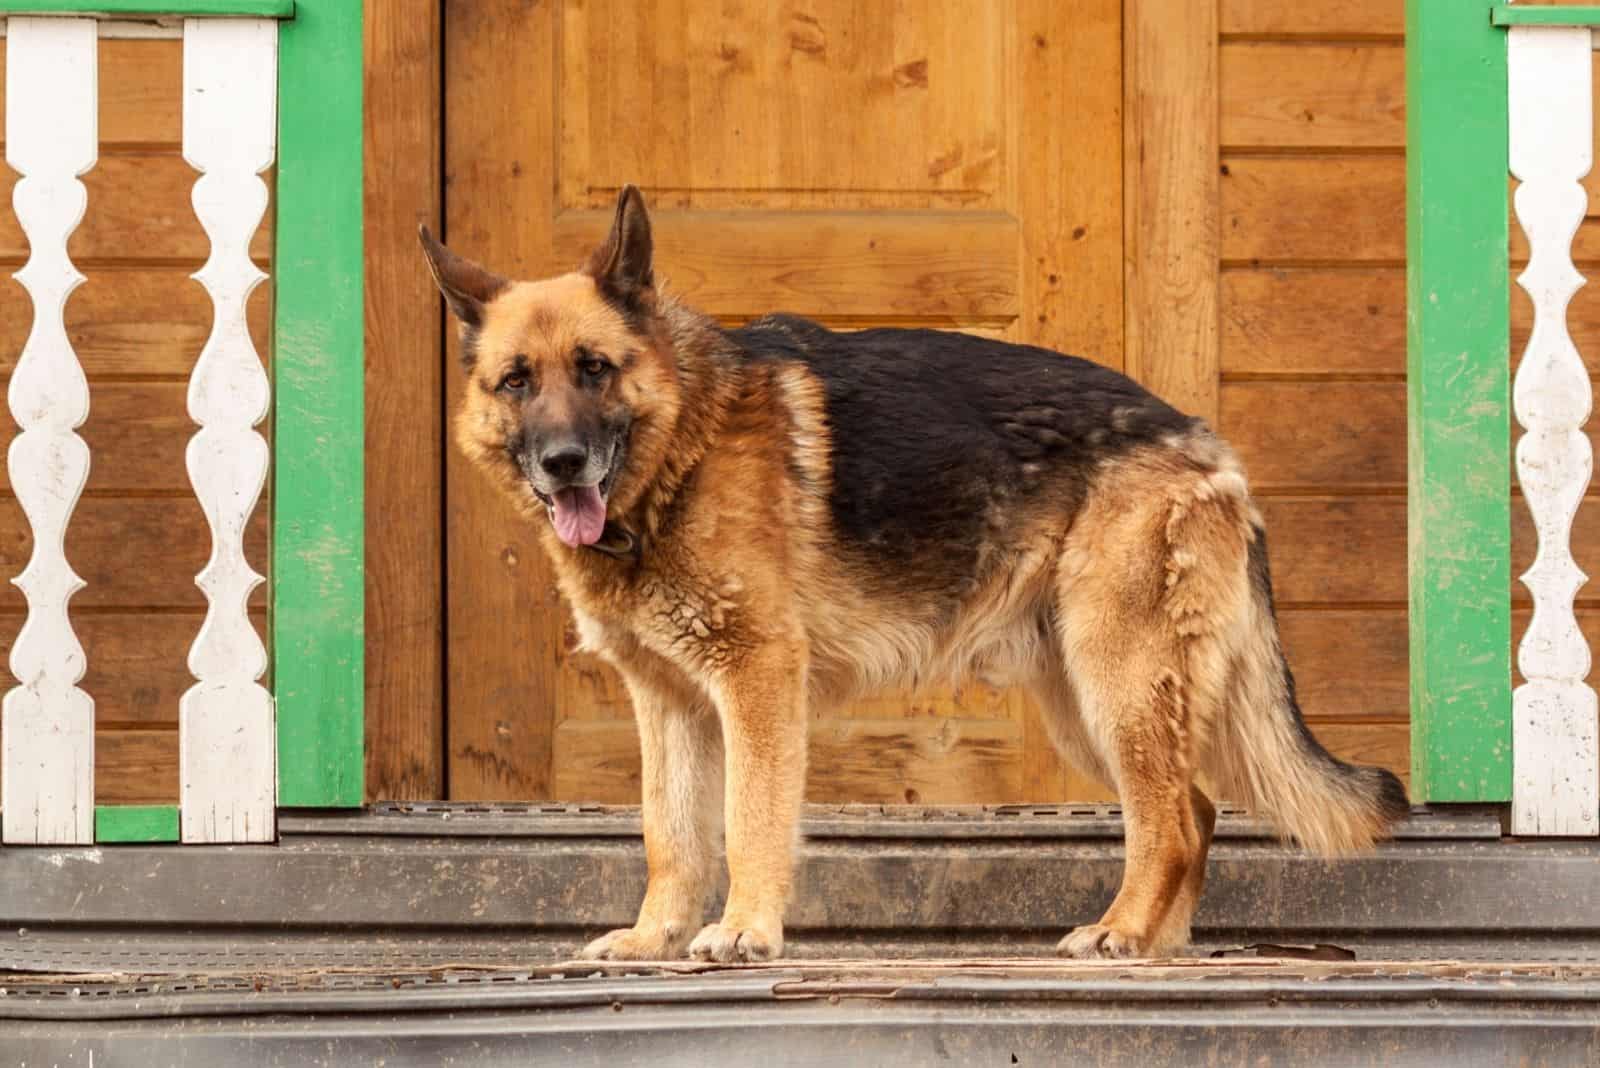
(579, 514)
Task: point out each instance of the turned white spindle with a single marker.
(227, 744)
(1554, 751)
(51, 138)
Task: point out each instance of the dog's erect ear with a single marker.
(621, 266)
(466, 286)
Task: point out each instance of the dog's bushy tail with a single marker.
(1266, 757)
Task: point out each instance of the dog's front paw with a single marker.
(636, 943)
(1096, 940)
(737, 943)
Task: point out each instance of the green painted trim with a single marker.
(318, 336)
(260, 9)
(1545, 16)
(1458, 342)
(135, 823)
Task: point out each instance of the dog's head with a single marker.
(562, 373)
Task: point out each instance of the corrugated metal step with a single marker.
(439, 884)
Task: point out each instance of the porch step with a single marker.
(834, 1012)
(399, 886)
(412, 934)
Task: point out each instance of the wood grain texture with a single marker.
(1349, 664)
(1299, 95)
(134, 552)
(1336, 549)
(1355, 439)
(721, 137)
(505, 618)
(143, 102)
(1350, 321)
(141, 213)
(946, 268)
(132, 321)
(1170, 189)
(136, 663)
(1343, 550)
(1352, 18)
(405, 431)
(137, 432)
(1320, 210)
(904, 761)
(889, 761)
(136, 767)
(1066, 99)
(1339, 209)
(1067, 143)
(1308, 322)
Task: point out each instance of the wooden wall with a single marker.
(1311, 299)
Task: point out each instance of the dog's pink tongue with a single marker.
(580, 515)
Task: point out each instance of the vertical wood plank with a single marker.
(52, 137)
(405, 483)
(1556, 776)
(1457, 385)
(227, 765)
(1172, 243)
(505, 616)
(318, 587)
(1066, 99)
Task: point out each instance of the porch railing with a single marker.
(1493, 91)
(263, 80)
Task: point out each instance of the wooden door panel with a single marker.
(953, 269)
(920, 163)
(786, 106)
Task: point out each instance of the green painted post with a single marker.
(1458, 391)
(135, 823)
(318, 334)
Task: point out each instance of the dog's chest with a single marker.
(683, 613)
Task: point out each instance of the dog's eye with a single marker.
(592, 367)
(515, 382)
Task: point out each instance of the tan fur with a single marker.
(744, 614)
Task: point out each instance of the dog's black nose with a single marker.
(563, 462)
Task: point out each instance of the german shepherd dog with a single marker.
(753, 524)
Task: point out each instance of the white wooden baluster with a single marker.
(51, 139)
(1554, 727)
(227, 746)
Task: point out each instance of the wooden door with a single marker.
(922, 163)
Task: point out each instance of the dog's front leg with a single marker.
(763, 710)
(680, 747)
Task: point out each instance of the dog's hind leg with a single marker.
(1063, 723)
(680, 744)
(1174, 931)
(1140, 719)
(1147, 598)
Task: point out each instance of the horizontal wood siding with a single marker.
(138, 536)
(1312, 304)
(1312, 319)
